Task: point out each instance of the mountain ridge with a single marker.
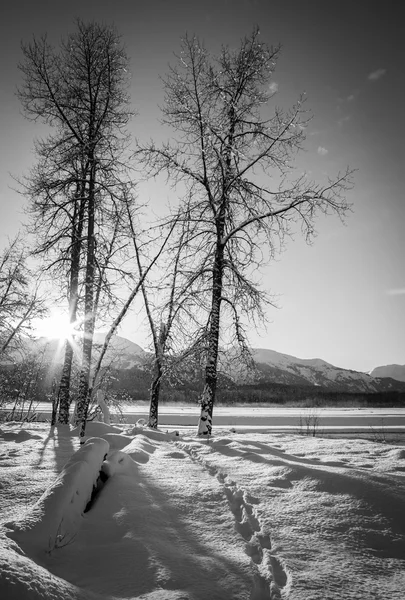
(394, 371)
(269, 366)
(286, 369)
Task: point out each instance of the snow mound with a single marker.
(154, 434)
(140, 448)
(55, 518)
(397, 454)
(116, 441)
(120, 463)
(97, 429)
(23, 579)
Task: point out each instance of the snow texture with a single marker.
(54, 519)
(242, 516)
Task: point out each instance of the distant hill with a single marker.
(393, 371)
(122, 353)
(272, 371)
(290, 370)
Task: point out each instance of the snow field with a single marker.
(242, 516)
(334, 510)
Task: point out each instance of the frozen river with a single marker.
(274, 418)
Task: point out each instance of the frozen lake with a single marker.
(274, 418)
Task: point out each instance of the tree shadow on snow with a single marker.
(62, 446)
(136, 539)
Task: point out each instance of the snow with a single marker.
(244, 516)
(55, 518)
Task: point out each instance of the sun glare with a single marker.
(55, 327)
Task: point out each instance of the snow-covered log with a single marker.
(55, 518)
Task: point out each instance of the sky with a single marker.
(341, 299)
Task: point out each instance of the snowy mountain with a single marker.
(281, 368)
(270, 367)
(396, 372)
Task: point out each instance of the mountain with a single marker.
(396, 372)
(270, 368)
(275, 367)
(121, 353)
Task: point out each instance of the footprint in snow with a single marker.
(176, 455)
(247, 524)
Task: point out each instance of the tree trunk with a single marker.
(154, 396)
(64, 386)
(83, 396)
(208, 396)
(55, 403)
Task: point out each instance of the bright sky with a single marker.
(342, 299)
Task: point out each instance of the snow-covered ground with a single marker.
(252, 516)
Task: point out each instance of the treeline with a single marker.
(136, 384)
(272, 393)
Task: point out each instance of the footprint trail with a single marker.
(269, 575)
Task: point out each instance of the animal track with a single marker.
(269, 574)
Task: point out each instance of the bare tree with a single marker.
(143, 273)
(20, 300)
(232, 155)
(173, 318)
(80, 91)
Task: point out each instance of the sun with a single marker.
(56, 326)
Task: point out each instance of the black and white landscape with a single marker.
(221, 182)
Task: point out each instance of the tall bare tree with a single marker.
(80, 90)
(233, 156)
